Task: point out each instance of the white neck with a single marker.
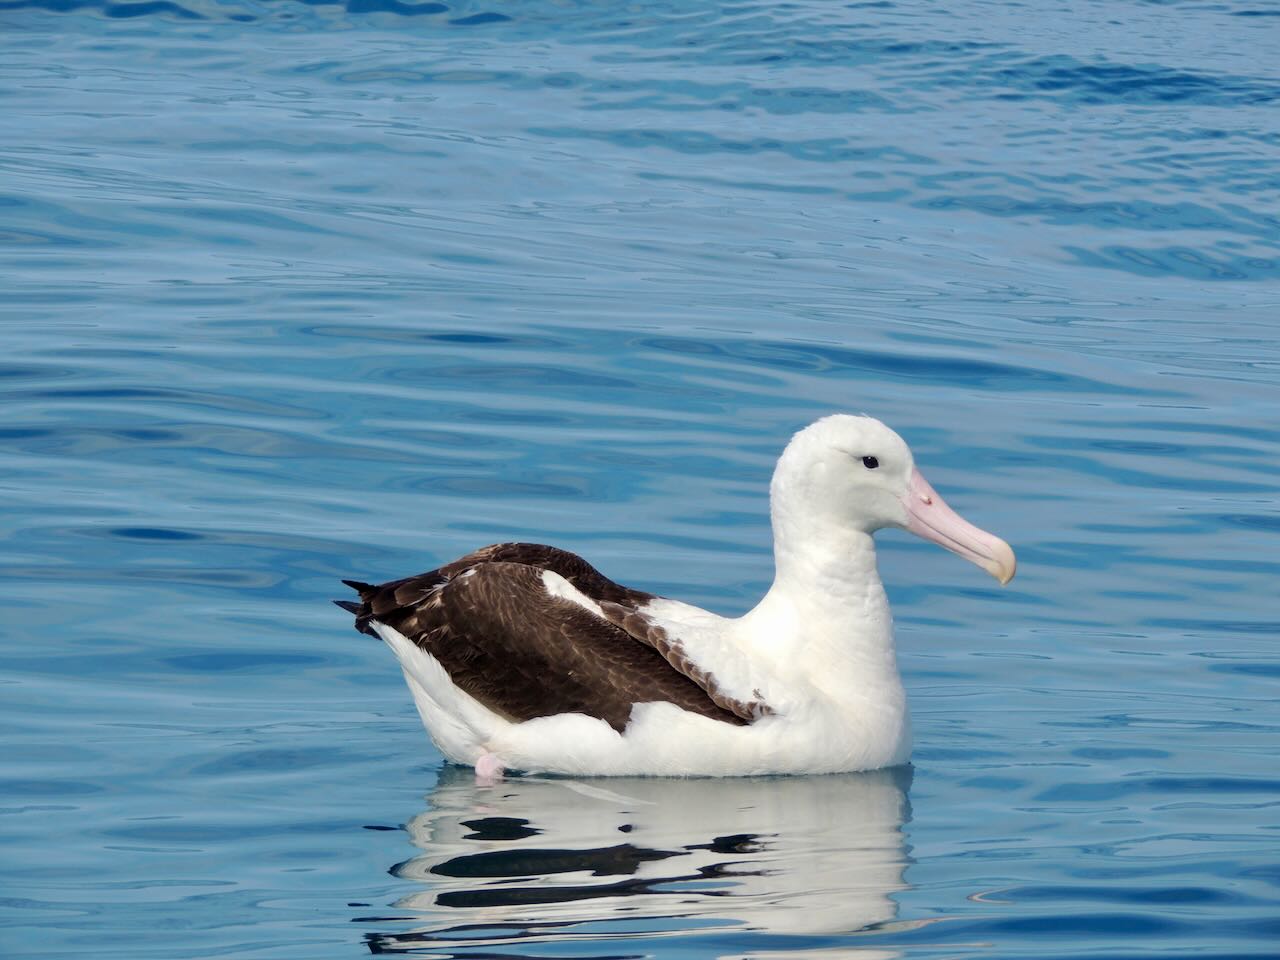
(825, 624)
(827, 600)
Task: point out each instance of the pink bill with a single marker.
(928, 516)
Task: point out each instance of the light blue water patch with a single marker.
(295, 292)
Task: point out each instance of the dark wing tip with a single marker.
(361, 612)
(359, 586)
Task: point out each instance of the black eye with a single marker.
(870, 462)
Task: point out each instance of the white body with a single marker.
(817, 649)
(829, 674)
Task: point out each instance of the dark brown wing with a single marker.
(523, 653)
(572, 567)
(382, 600)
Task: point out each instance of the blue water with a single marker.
(293, 292)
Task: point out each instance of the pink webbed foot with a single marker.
(488, 770)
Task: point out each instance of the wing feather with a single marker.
(654, 634)
(524, 653)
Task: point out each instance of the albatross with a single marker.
(524, 657)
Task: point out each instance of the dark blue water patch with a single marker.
(1204, 434)
(512, 375)
(148, 435)
(1268, 523)
(1267, 670)
(1003, 784)
(480, 19)
(1171, 527)
(395, 7)
(1060, 923)
(959, 754)
(519, 417)
(781, 48)
(683, 96)
(269, 760)
(1261, 927)
(634, 461)
(240, 215)
(1108, 471)
(468, 338)
(526, 342)
(153, 533)
(698, 142)
(233, 402)
(1066, 77)
(222, 578)
(1119, 753)
(26, 239)
(1138, 895)
(1166, 723)
(1159, 786)
(194, 831)
(1111, 214)
(1194, 449)
(739, 184)
(80, 228)
(124, 11)
(402, 74)
(1111, 935)
(1177, 262)
(218, 442)
(512, 484)
(25, 905)
(1213, 628)
(839, 360)
(46, 752)
(163, 9)
(38, 372)
(10, 787)
(117, 11)
(460, 446)
(241, 661)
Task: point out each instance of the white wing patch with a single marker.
(558, 586)
(709, 641)
(698, 636)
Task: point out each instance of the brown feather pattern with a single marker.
(641, 628)
(490, 622)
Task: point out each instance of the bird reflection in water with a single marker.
(542, 861)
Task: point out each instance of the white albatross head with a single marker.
(855, 473)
